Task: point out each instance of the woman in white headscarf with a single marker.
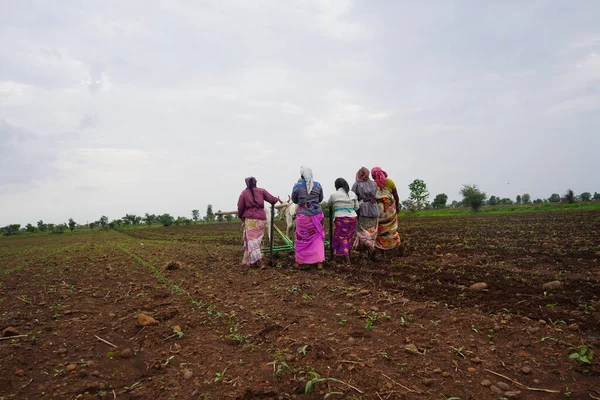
(310, 233)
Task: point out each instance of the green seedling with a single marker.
(220, 376)
(302, 350)
(583, 354)
(587, 307)
(460, 351)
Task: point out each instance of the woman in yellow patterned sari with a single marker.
(389, 204)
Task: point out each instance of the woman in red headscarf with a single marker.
(251, 210)
(389, 204)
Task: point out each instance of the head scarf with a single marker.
(307, 176)
(379, 176)
(341, 183)
(251, 184)
(362, 175)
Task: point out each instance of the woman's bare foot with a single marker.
(320, 266)
(259, 264)
(347, 260)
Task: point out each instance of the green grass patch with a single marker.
(445, 212)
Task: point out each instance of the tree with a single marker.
(220, 217)
(408, 205)
(92, 225)
(195, 215)
(505, 201)
(538, 201)
(585, 196)
(570, 197)
(554, 198)
(103, 222)
(165, 220)
(518, 199)
(440, 201)
(526, 198)
(59, 229)
(30, 228)
(42, 226)
(418, 193)
(210, 216)
(72, 224)
(493, 201)
(228, 217)
(149, 219)
(596, 196)
(472, 196)
(455, 204)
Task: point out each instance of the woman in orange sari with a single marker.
(389, 204)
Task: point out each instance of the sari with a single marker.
(366, 233)
(343, 233)
(254, 229)
(387, 230)
(310, 235)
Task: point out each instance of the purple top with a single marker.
(254, 208)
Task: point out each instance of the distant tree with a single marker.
(210, 215)
(440, 201)
(585, 196)
(473, 197)
(115, 224)
(408, 205)
(103, 221)
(538, 201)
(195, 215)
(596, 196)
(166, 220)
(92, 225)
(493, 201)
(455, 204)
(72, 224)
(149, 219)
(220, 217)
(9, 230)
(42, 226)
(228, 217)
(505, 201)
(570, 197)
(59, 229)
(418, 193)
(518, 199)
(526, 198)
(51, 227)
(554, 198)
(30, 228)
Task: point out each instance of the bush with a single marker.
(473, 197)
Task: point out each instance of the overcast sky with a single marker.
(114, 107)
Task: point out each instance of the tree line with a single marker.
(475, 198)
(129, 220)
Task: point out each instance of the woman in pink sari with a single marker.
(251, 210)
(310, 233)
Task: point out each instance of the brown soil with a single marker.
(397, 328)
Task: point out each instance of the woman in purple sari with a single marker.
(310, 233)
(344, 203)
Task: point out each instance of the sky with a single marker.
(164, 106)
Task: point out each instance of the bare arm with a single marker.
(396, 198)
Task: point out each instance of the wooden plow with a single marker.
(288, 244)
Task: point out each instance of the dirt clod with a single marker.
(573, 327)
(486, 383)
(554, 285)
(502, 386)
(496, 389)
(20, 372)
(479, 286)
(71, 367)
(512, 394)
(173, 265)
(526, 370)
(145, 320)
(472, 370)
(187, 374)
(10, 331)
(126, 353)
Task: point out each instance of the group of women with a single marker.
(365, 217)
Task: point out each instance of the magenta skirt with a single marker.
(343, 235)
(310, 235)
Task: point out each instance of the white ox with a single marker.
(286, 210)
